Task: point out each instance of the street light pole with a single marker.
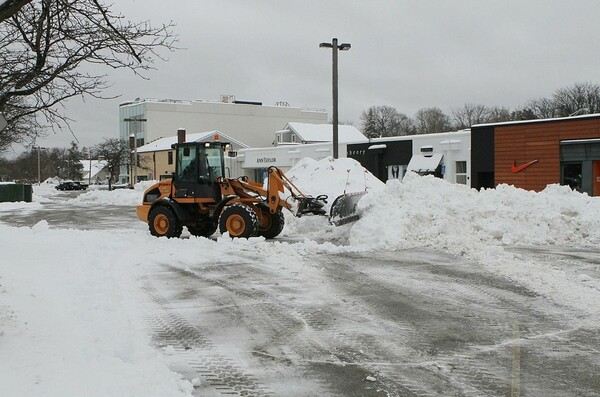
(334, 50)
(90, 170)
(39, 166)
(135, 145)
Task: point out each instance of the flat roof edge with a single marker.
(557, 119)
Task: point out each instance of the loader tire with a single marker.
(238, 220)
(163, 222)
(274, 225)
(205, 229)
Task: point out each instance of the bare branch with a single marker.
(45, 47)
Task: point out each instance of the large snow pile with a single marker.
(332, 177)
(427, 211)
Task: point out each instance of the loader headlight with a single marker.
(152, 195)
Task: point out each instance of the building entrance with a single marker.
(571, 175)
(580, 165)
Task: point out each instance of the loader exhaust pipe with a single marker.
(181, 136)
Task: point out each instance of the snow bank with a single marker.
(332, 177)
(427, 211)
(45, 189)
(121, 197)
(70, 315)
(485, 227)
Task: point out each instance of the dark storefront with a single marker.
(384, 160)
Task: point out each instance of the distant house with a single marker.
(157, 158)
(94, 171)
(303, 133)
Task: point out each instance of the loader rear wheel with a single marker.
(238, 220)
(163, 222)
(274, 225)
(205, 229)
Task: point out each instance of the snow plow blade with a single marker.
(343, 209)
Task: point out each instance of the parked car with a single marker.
(70, 185)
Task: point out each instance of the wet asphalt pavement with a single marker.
(398, 323)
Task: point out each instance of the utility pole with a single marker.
(133, 138)
(39, 166)
(334, 50)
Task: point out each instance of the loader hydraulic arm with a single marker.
(306, 204)
(277, 184)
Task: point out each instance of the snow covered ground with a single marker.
(70, 301)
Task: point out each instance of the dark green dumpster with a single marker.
(11, 192)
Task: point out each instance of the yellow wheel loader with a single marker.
(201, 198)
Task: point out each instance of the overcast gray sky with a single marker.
(405, 54)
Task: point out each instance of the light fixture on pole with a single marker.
(334, 50)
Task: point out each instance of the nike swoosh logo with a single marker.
(518, 168)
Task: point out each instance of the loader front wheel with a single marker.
(238, 220)
(273, 226)
(163, 222)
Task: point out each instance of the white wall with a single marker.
(284, 156)
(455, 146)
(253, 125)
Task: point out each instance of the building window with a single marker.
(461, 172)
(294, 138)
(170, 158)
(572, 175)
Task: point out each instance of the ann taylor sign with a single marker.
(266, 160)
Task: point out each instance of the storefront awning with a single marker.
(424, 164)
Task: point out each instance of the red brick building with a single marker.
(535, 153)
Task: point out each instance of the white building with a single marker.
(295, 133)
(295, 141)
(248, 122)
(446, 155)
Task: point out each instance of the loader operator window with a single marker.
(186, 164)
(215, 168)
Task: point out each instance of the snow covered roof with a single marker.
(583, 116)
(96, 167)
(163, 144)
(324, 132)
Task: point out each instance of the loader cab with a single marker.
(197, 168)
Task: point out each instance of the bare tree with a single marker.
(541, 108)
(580, 98)
(115, 152)
(44, 50)
(497, 114)
(431, 120)
(470, 114)
(380, 121)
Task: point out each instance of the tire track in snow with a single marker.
(217, 372)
